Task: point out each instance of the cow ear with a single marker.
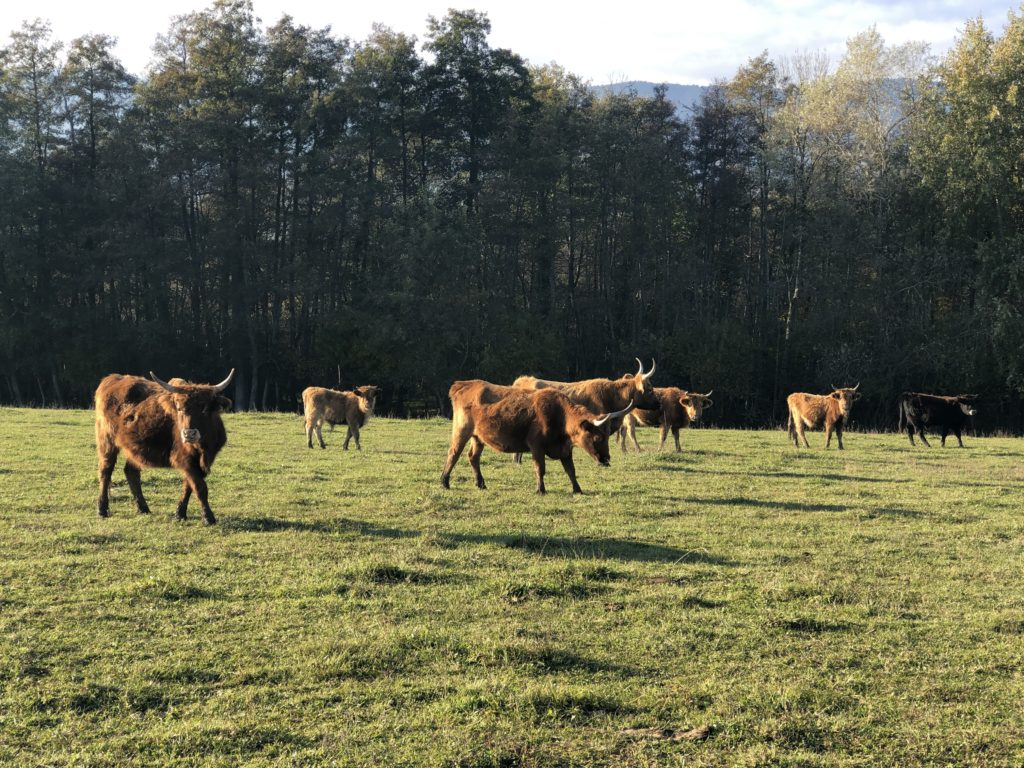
(359, 392)
(588, 425)
(224, 403)
(836, 395)
(685, 400)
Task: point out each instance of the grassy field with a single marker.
(737, 604)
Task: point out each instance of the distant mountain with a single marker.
(683, 96)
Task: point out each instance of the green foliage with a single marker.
(304, 207)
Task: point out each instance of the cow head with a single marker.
(966, 403)
(367, 395)
(694, 404)
(641, 391)
(195, 406)
(594, 435)
(846, 397)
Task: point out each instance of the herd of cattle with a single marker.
(176, 423)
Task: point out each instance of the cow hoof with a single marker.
(103, 512)
(209, 520)
(481, 485)
(180, 517)
(444, 483)
(143, 510)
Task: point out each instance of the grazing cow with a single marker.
(947, 414)
(159, 424)
(329, 405)
(544, 423)
(831, 411)
(679, 409)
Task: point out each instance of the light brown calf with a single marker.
(679, 409)
(334, 407)
(831, 411)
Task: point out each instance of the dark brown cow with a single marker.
(159, 424)
(679, 409)
(918, 410)
(543, 423)
(334, 407)
(831, 411)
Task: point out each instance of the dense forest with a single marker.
(311, 209)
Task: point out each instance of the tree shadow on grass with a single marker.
(794, 475)
(595, 548)
(794, 506)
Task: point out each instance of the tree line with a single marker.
(310, 209)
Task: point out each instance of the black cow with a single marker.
(947, 414)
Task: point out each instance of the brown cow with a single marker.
(679, 409)
(603, 395)
(513, 420)
(159, 424)
(329, 405)
(831, 410)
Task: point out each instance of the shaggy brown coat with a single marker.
(679, 409)
(543, 423)
(831, 411)
(352, 408)
(155, 427)
(602, 395)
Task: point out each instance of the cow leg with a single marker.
(958, 438)
(675, 436)
(538, 465)
(664, 436)
(839, 435)
(910, 432)
(459, 439)
(570, 470)
(309, 432)
(186, 493)
(945, 434)
(198, 483)
(107, 460)
(801, 431)
(632, 434)
(134, 477)
(920, 433)
(354, 430)
(828, 435)
(348, 436)
(476, 447)
(320, 434)
(517, 458)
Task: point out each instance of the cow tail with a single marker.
(902, 413)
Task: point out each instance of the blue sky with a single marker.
(681, 41)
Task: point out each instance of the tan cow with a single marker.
(679, 409)
(831, 411)
(543, 423)
(335, 407)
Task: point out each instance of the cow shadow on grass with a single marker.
(832, 476)
(546, 546)
(793, 506)
(336, 526)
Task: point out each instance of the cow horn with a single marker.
(640, 372)
(855, 388)
(654, 365)
(224, 384)
(615, 415)
(708, 394)
(164, 384)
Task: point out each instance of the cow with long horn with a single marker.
(543, 423)
(159, 423)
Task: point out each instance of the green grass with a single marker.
(815, 609)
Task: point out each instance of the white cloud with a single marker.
(683, 42)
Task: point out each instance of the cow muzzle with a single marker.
(190, 436)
